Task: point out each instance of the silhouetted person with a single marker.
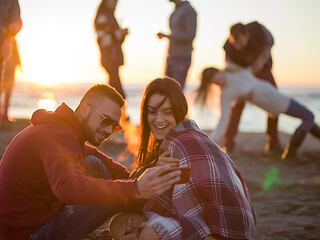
(110, 38)
(10, 25)
(247, 46)
(9, 78)
(183, 26)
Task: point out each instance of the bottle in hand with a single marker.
(129, 226)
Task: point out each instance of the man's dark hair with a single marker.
(238, 29)
(103, 90)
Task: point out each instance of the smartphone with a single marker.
(185, 174)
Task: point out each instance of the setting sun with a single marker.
(62, 48)
(47, 101)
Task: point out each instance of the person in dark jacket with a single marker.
(249, 46)
(10, 25)
(183, 26)
(9, 78)
(55, 186)
(110, 38)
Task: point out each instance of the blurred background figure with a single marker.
(10, 25)
(239, 83)
(249, 46)
(183, 26)
(110, 37)
(9, 78)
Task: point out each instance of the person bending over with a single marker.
(110, 37)
(249, 45)
(239, 83)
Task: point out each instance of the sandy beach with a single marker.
(286, 195)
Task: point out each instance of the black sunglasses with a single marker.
(107, 121)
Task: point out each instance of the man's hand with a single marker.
(166, 159)
(121, 33)
(261, 60)
(124, 32)
(162, 35)
(150, 184)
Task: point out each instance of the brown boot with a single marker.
(290, 152)
(315, 131)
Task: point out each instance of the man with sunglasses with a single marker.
(53, 185)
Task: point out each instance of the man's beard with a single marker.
(89, 134)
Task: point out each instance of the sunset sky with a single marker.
(58, 43)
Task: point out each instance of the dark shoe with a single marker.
(293, 157)
(273, 149)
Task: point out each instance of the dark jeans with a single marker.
(114, 79)
(77, 221)
(297, 110)
(236, 111)
(177, 68)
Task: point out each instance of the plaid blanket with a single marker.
(215, 201)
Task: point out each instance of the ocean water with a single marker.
(27, 97)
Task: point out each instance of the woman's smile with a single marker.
(160, 116)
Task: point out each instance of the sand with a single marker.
(286, 195)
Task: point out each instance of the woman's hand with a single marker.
(121, 33)
(152, 183)
(165, 159)
(162, 35)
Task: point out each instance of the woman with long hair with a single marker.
(110, 38)
(239, 83)
(214, 203)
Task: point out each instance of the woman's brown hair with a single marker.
(148, 149)
(204, 88)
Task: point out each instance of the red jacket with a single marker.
(43, 168)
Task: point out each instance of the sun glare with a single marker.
(47, 102)
(64, 50)
(54, 54)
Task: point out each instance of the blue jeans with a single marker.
(177, 68)
(77, 221)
